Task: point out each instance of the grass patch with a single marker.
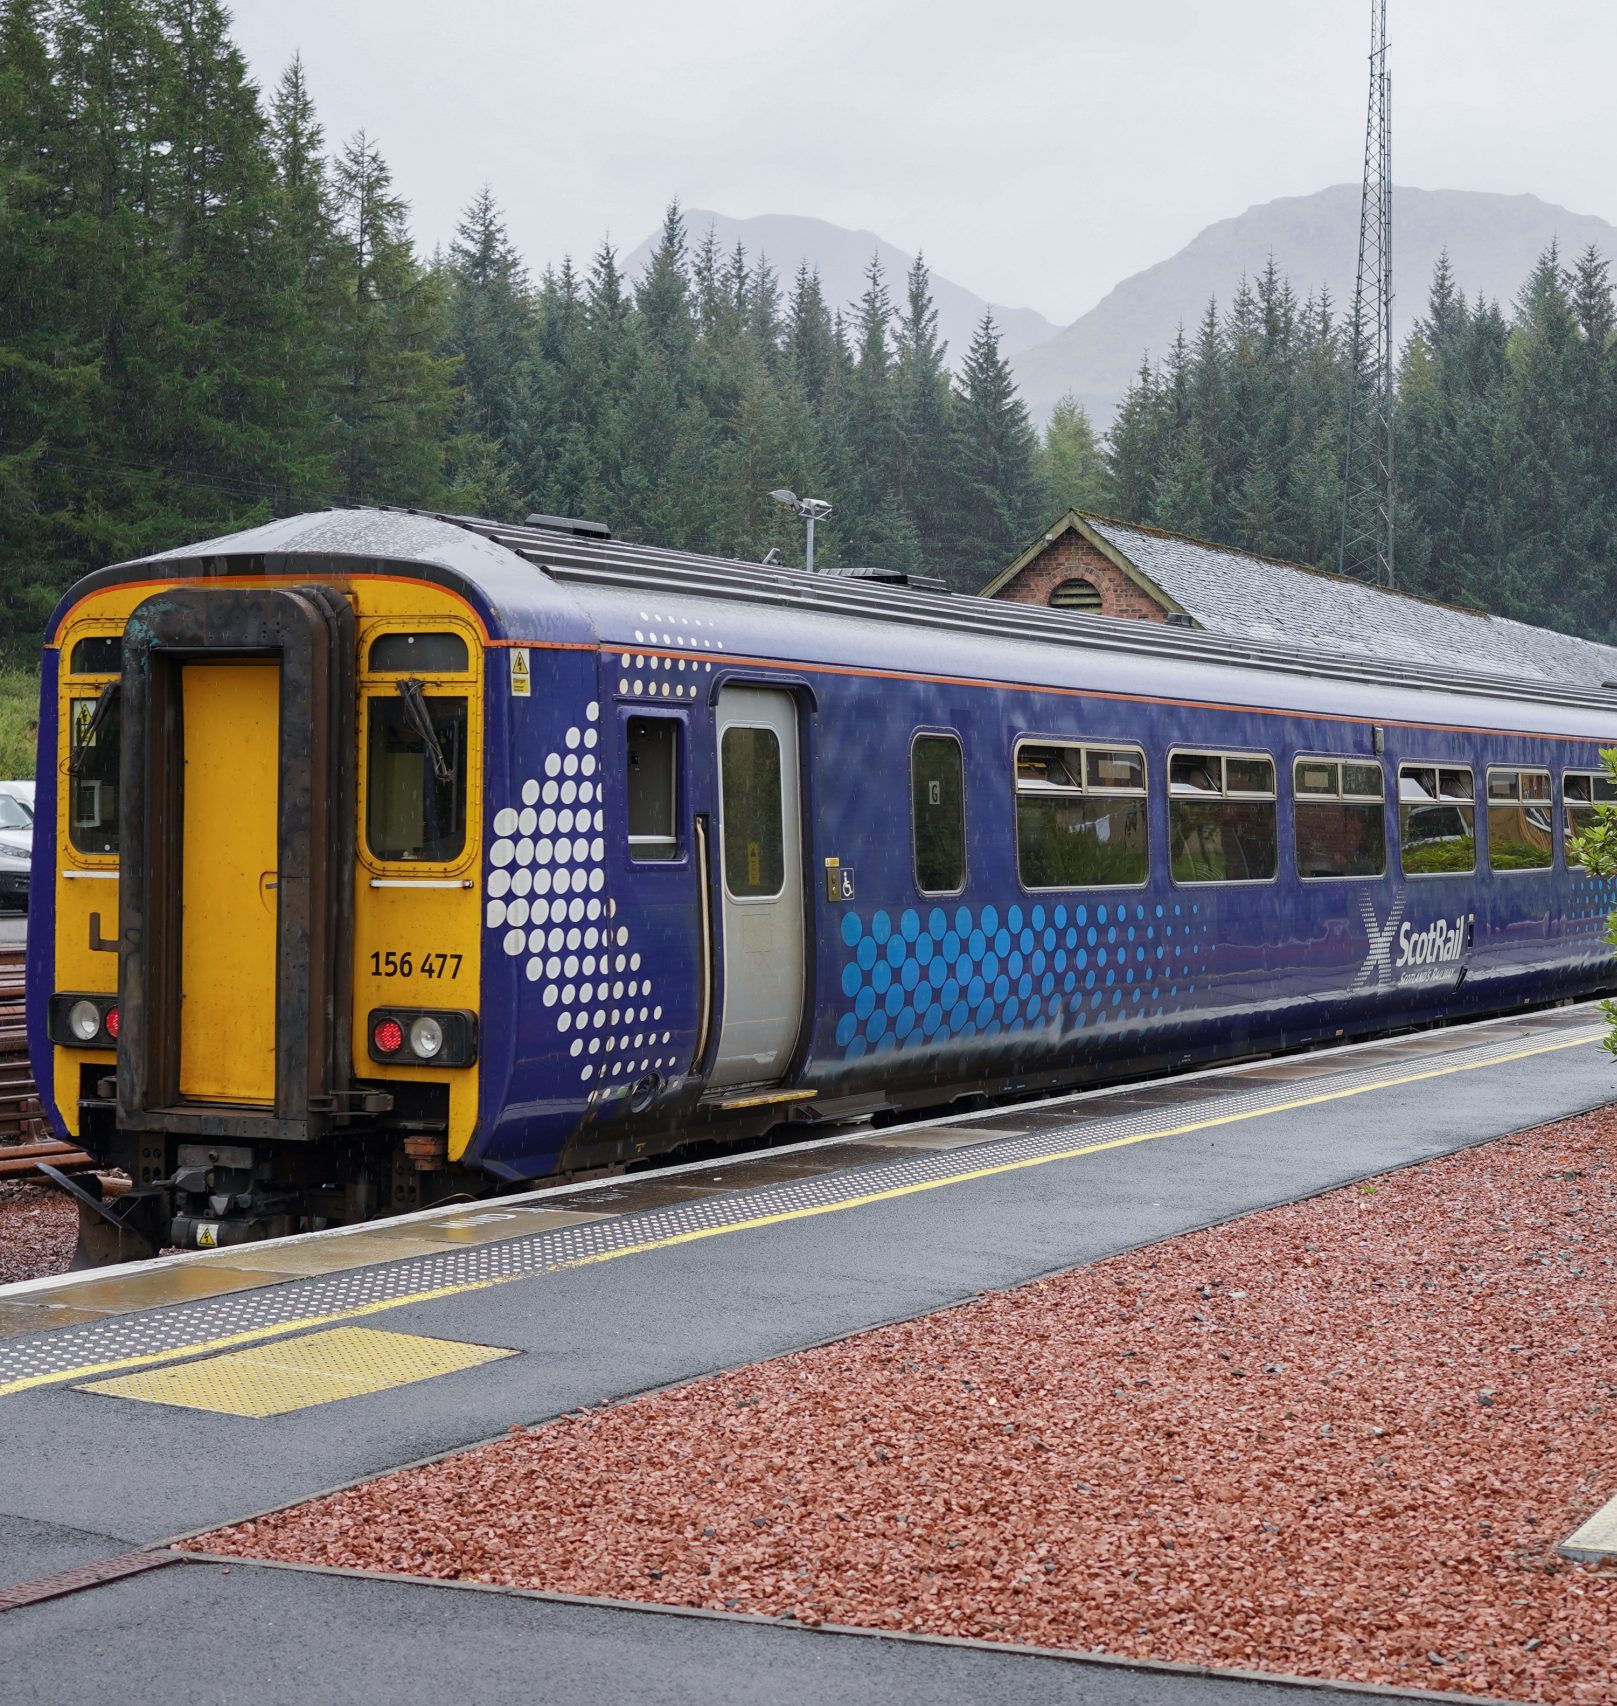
(19, 718)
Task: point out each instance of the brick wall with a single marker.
(1071, 556)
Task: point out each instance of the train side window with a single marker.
(1080, 816)
(652, 765)
(938, 814)
(1340, 814)
(92, 796)
(750, 799)
(1221, 818)
(415, 789)
(1583, 791)
(419, 654)
(1521, 820)
(1437, 819)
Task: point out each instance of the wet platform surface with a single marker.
(576, 1296)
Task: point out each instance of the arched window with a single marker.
(1076, 594)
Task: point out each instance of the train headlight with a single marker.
(84, 1021)
(405, 1036)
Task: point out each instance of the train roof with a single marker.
(496, 562)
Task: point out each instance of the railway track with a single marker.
(23, 1143)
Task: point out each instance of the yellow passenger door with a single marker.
(229, 900)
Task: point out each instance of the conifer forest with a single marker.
(211, 313)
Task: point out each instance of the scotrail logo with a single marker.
(1439, 942)
(1421, 954)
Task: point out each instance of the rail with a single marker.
(22, 1132)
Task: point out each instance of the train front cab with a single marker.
(266, 923)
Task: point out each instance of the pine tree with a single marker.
(870, 423)
(304, 282)
(1072, 466)
(47, 358)
(492, 331)
(395, 395)
(923, 405)
(996, 489)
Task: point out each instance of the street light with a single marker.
(811, 510)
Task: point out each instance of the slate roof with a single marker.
(1262, 598)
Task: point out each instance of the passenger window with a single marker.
(418, 654)
(1521, 820)
(653, 787)
(416, 777)
(1584, 790)
(92, 799)
(750, 801)
(1080, 816)
(1341, 818)
(938, 811)
(1221, 818)
(1437, 819)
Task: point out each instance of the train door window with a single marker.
(1340, 817)
(1584, 791)
(938, 813)
(751, 801)
(93, 764)
(1080, 816)
(1437, 819)
(1221, 818)
(1521, 820)
(415, 787)
(652, 765)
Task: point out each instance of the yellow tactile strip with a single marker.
(295, 1374)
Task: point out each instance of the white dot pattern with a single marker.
(644, 675)
(547, 900)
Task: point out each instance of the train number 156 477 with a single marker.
(392, 964)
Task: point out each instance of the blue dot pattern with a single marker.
(946, 974)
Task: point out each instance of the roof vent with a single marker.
(891, 577)
(569, 524)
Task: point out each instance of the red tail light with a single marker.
(111, 1022)
(388, 1036)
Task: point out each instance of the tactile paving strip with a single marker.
(105, 1346)
(296, 1374)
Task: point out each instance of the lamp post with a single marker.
(811, 510)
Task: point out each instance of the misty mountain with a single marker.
(1492, 241)
(840, 256)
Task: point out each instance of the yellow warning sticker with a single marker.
(521, 679)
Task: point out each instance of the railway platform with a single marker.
(165, 1400)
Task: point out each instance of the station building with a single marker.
(1088, 563)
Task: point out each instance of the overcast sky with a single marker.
(1037, 150)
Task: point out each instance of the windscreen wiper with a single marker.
(103, 704)
(415, 708)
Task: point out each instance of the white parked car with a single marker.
(16, 841)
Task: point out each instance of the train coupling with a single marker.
(222, 1197)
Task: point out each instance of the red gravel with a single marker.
(1339, 1439)
(39, 1226)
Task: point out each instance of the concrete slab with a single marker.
(284, 1638)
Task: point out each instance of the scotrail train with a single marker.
(393, 855)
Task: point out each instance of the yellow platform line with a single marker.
(462, 1288)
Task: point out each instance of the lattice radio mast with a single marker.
(1365, 544)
